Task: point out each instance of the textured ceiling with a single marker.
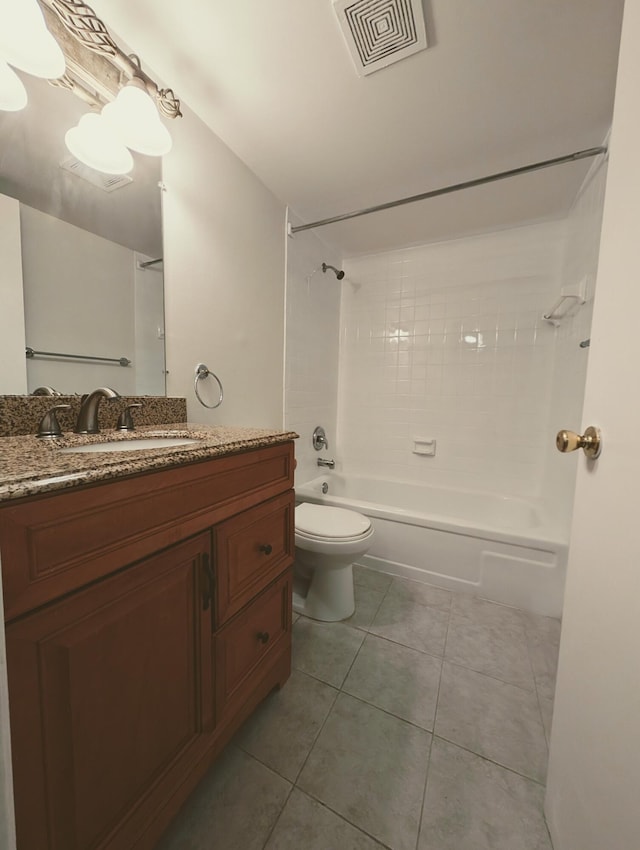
(503, 83)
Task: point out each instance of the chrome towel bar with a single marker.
(30, 353)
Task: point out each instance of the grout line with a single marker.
(322, 725)
(352, 663)
(537, 693)
(388, 713)
(486, 758)
(433, 735)
(490, 676)
(277, 820)
(370, 835)
(406, 646)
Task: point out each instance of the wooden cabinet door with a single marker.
(110, 691)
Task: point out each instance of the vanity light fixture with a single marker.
(13, 95)
(67, 43)
(135, 120)
(94, 143)
(26, 43)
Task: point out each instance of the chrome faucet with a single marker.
(45, 391)
(330, 464)
(88, 416)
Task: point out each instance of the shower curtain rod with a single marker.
(456, 187)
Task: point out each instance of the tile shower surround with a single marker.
(448, 341)
(386, 737)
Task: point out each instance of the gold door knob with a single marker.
(590, 442)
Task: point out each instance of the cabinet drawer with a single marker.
(54, 544)
(251, 550)
(252, 639)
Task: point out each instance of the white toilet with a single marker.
(328, 541)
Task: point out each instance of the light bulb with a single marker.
(13, 95)
(93, 143)
(26, 43)
(134, 118)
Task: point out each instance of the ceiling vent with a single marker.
(106, 182)
(381, 32)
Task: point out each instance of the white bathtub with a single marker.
(499, 548)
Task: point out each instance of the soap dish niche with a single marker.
(424, 446)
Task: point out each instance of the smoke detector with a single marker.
(381, 32)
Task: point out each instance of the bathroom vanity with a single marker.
(147, 614)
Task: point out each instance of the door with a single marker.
(594, 768)
(110, 694)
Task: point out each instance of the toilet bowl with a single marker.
(328, 541)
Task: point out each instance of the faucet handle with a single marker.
(319, 439)
(125, 420)
(49, 426)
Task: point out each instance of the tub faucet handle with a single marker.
(320, 439)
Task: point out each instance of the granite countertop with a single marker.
(30, 466)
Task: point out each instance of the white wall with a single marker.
(224, 279)
(407, 370)
(312, 345)
(570, 370)
(79, 299)
(13, 367)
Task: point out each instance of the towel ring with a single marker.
(203, 372)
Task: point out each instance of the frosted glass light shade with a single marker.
(26, 43)
(13, 95)
(135, 119)
(93, 143)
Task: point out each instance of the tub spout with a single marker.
(330, 464)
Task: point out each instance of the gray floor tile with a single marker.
(365, 577)
(238, 802)
(411, 624)
(370, 767)
(325, 650)
(306, 824)
(546, 709)
(367, 604)
(499, 651)
(397, 679)
(493, 719)
(283, 728)
(425, 594)
(543, 637)
(486, 613)
(472, 804)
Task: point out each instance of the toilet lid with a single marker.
(325, 521)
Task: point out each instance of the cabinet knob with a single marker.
(263, 637)
(267, 548)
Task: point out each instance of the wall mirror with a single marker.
(89, 254)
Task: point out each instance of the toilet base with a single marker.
(329, 595)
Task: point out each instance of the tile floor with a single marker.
(419, 724)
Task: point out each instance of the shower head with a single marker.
(339, 272)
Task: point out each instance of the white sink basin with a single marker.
(130, 445)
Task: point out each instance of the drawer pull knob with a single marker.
(263, 637)
(267, 548)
